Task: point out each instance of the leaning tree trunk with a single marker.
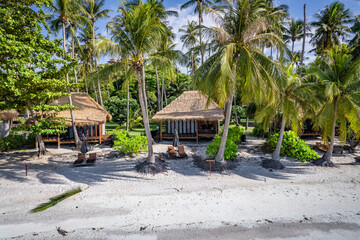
(144, 90)
(236, 116)
(151, 156)
(220, 155)
(41, 146)
(276, 154)
(158, 88)
(326, 159)
(73, 56)
(200, 41)
(247, 122)
(76, 136)
(96, 66)
(303, 44)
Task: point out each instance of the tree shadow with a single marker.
(59, 170)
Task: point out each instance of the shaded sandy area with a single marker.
(302, 201)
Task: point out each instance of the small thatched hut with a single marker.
(7, 117)
(190, 116)
(90, 119)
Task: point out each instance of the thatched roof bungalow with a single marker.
(90, 119)
(6, 119)
(190, 116)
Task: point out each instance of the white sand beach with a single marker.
(302, 201)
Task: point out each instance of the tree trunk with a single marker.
(4, 129)
(41, 146)
(144, 90)
(85, 81)
(76, 136)
(200, 37)
(73, 56)
(220, 155)
(276, 154)
(188, 83)
(96, 67)
(247, 122)
(158, 88)
(162, 90)
(127, 106)
(93, 83)
(303, 44)
(151, 156)
(108, 92)
(235, 108)
(330, 150)
(292, 49)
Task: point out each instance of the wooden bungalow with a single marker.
(7, 117)
(90, 119)
(190, 116)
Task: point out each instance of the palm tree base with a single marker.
(323, 162)
(151, 168)
(272, 164)
(215, 166)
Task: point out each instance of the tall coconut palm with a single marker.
(293, 100)
(293, 32)
(138, 31)
(331, 26)
(201, 6)
(355, 42)
(239, 61)
(63, 11)
(338, 75)
(93, 10)
(189, 39)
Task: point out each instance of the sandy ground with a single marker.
(300, 202)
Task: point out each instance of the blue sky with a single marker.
(295, 10)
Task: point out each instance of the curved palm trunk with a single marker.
(327, 156)
(276, 154)
(163, 94)
(158, 88)
(151, 156)
(73, 56)
(99, 89)
(220, 155)
(127, 106)
(144, 90)
(76, 136)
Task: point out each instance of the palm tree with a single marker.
(201, 7)
(93, 10)
(355, 42)
(338, 75)
(137, 30)
(293, 100)
(331, 26)
(63, 12)
(239, 62)
(189, 40)
(293, 32)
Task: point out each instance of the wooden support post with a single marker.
(36, 142)
(100, 132)
(91, 127)
(160, 131)
(197, 131)
(58, 140)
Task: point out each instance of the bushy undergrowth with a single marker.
(15, 142)
(235, 133)
(230, 148)
(129, 145)
(292, 146)
(258, 130)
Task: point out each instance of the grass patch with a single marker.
(111, 126)
(55, 200)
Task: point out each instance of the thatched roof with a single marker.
(7, 115)
(190, 105)
(88, 111)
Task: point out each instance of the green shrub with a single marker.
(258, 130)
(292, 146)
(230, 148)
(15, 142)
(127, 144)
(235, 134)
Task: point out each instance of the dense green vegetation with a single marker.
(127, 144)
(292, 146)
